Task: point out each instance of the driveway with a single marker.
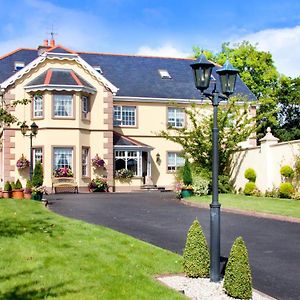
(160, 219)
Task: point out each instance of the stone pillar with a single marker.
(267, 158)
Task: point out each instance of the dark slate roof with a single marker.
(135, 76)
(63, 77)
(121, 140)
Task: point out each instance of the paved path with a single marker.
(158, 218)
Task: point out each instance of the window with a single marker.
(124, 115)
(37, 106)
(174, 161)
(129, 160)
(98, 69)
(85, 104)
(85, 160)
(62, 157)
(164, 74)
(63, 105)
(37, 155)
(19, 65)
(175, 117)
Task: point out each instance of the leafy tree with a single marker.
(235, 126)
(258, 72)
(187, 174)
(288, 96)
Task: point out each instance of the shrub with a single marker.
(124, 174)
(28, 188)
(287, 172)
(7, 186)
(286, 190)
(272, 193)
(225, 185)
(200, 185)
(187, 174)
(238, 279)
(250, 174)
(38, 177)
(98, 184)
(296, 196)
(18, 185)
(249, 189)
(196, 255)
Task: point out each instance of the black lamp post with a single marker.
(34, 130)
(202, 73)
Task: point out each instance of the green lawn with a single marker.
(284, 207)
(46, 256)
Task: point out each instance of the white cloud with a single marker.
(166, 50)
(283, 44)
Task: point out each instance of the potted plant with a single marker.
(187, 188)
(17, 190)
(27, 190)
(63, 172)
(7, 190)
(98, 162)
(38, 192)
(99, 184)
(37, 177)
(22, 163)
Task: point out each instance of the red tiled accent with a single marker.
(76, 78)
(48, 77)
(62, 47)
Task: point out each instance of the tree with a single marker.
(288, 96)
(258, 72)
(235, 126)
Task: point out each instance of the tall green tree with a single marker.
(235, 126)
(288, 96)
(258, 72)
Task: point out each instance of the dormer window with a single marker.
(98, 69)
(19, 65)
(164, 74)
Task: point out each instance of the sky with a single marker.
(155, 27)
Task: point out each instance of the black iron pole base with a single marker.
(215, 242)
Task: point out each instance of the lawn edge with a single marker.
(245, 212)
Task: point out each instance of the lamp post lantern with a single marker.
(202, 70)
(34, 130)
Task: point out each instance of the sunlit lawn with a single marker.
(284, 207)
(46, 256)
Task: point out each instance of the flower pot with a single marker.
(1, 194)
(7, 194)
(37, 196)
(27, 195)
(186, 193)
(18, 194)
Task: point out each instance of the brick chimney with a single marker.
(42, 48)
(52, 43)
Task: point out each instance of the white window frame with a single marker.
(19, 65)
(85, 106)
(177, 120)
(66, 154)
(85, 161)
(60, 100)
(37, 155)
(38, 106)
(126, 155)
(178, 161)
(126, 116)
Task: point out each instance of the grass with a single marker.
(46, 256)
(283, 207)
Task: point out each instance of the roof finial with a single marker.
(52, 34)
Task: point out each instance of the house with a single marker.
(87, 104)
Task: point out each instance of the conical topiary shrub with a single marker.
(38, 177)
(187, 174)
(238, 279)
(196, 255)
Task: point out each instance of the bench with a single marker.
(64, 184)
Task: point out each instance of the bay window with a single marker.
(63, 105)
(62, 157)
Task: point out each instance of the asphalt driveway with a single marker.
(160, 219)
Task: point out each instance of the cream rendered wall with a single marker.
(62, 132)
